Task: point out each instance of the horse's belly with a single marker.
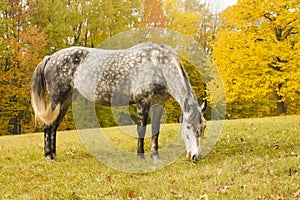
(150, 94)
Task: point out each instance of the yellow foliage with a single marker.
(257, 52)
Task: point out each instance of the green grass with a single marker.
(253, 159)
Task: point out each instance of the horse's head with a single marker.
(193, 126)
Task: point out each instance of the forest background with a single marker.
(255, 45)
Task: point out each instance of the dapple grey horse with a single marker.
(146, 74)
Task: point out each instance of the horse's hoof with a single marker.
(141, 156)
(155, 156)
(50, 157)
(157, 160)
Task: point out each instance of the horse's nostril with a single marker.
(194, 157)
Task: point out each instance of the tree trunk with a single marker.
(15, 126)
(281, 108)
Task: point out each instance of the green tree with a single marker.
(257, 53)
(82, 23)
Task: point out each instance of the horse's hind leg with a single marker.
(50, 141)
(142, 115)
(50, 133)
(53, 135)
(47, 143)
(156, 113)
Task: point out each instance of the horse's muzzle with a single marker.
(193, 157)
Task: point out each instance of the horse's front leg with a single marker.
(141, 133)
(156, 113)
(142, 114)
(154, 147)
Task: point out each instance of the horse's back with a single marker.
(95, 73)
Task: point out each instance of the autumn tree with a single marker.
(31, 29)
(11, 17)
(182, 17)
(257, 53)
(192, 18)
(153, 15)
(21, 45)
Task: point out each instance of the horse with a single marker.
(153, 74)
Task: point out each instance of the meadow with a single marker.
(253, 159)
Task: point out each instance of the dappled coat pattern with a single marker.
(146, 74)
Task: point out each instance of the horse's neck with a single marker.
(183, 93)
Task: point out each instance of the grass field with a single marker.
(253, 159)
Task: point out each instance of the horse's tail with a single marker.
(42, 111)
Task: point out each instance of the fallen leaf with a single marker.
(248, 150)
(246, 170)
(293, 154)
(228, 138)
(292, 172)
(243, 187)
(176, 195)
(8, 158)
(129, 193)
(277, 197)
(141, 198)
(255, 188)
(108, 178)
(70, 153)
(271, 172)
(100, 194)
(297, 194)
(219, 171)
(223, 190)
(204, 197)
(134, 176)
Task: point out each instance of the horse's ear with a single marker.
(203, 107)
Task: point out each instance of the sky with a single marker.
(219, 5)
